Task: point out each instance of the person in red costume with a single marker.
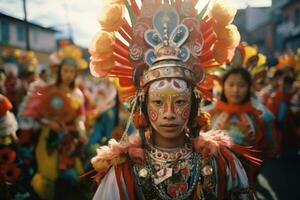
(162, 77)
(59, 107)
(280, 105)
(247, 122)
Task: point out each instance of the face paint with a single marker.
(169, 107)
(153, 115)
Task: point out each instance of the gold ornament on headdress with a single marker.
(70, 52)
(26, 59)
(162, 39)
(30, 61)
(247, 56)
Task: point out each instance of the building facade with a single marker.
(41, 39)
(273, 29)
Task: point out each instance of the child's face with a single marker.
(68, 73)
(235, 89)
(169, 107)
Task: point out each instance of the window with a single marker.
(4, 31)
(296, 16)
(20, 33)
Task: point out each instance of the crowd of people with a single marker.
(181, 135)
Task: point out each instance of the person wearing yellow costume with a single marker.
(59, 107)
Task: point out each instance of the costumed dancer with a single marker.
(281, 100)
(248, 122)
(59, 107)
(162, 72)
(15, 168)
(13, 89)
(105, 113)
(29, 126)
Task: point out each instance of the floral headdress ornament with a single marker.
(70, 54)
(248, 56)
(25, 60)
(162, 39)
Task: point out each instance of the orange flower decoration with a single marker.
(7, 156)
(10, 173)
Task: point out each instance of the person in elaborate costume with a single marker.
(105, 113)
(13, 89)
(59, 107)
(248, 122)
(29, 126)
(162, 71)
(15, 167)
(280, 104)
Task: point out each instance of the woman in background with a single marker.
(247, 122)
(59, 147)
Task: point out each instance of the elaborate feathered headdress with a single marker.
(162, 39)
(70, 54)
(248, 57)
(26, 61)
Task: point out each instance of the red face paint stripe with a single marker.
(186, 113)
(153, 115)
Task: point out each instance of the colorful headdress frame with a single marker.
(248, 57)
(25, 60)
(288, 59)
(70, 54)
(162, 39)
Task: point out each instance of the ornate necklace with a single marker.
(168, 173)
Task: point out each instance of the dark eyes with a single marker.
(157, 102)
(239, 85)
(180, 102)
(177, 102)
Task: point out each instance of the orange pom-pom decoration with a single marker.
(102, 43)
(222, 54)
(7, 156)
(223, 13)
(111, 17)
(113, 1)
(10, 173)
(228, 36)
(100, 67)
(5, 105)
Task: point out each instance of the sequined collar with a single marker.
(169, 154)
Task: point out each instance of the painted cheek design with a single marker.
(153, 115)
(186, 112)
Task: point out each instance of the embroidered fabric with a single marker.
(171, 174)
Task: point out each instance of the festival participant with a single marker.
(247, 122)
(28, 125)
(274, 76)
(167, 158)
(13, 88)
(59, 107)
(105, 113)
(15, 168)
(280, 105)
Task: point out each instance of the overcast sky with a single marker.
(81, 14)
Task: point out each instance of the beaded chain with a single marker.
(145, 176)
